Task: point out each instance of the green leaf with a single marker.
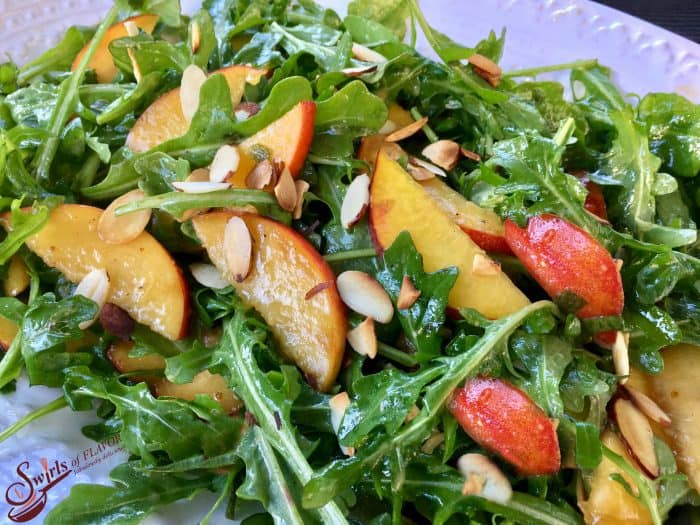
(392, 14)
(149, 425)
(421, 322)
(352, 108)
(133, 496)
(329, 57)
(589, 449)
(167, 10)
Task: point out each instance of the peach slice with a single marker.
(399, 203)
(481, 224)
(145, 280)
(608, 502)
(163, 119)
(101, 61)
(677, 391)
(311, 332)
(213, 385)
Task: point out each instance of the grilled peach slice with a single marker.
(101, 61)
(163, 119)
(310, 328)
(608, 502)
(213, 385)
(144, 279)
(399, 203)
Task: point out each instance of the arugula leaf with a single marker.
(421, 322)
(352, 108)
(149, 425)
(342, 473)
(392, 14)
(168, 11)
(134, 495)
(330, 58)
(243, 337)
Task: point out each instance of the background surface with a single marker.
(679, 16)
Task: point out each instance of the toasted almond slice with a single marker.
(362, 293)
(485, 64)
(134, 65)
(198, 175)
(637, 435)
(408, 294)
(208, 275)
(618, 264)
(483, 265)
(473, 155)
(192, 80)
(286, 191)
(418, 172)
(359, 70)
(621, 356)
(444, 153)
(428, 166)
(363, 339)
(647, 405)
(225, 162)
(200, 187)
(355, 202)
(196, 37)
(388, 127)
(261, 175)
(302, 187)
(434, 441)
(366, 54)
(494, 80)
(121, 229)
(412, 413)
(17, 279)
(483, 478)
(238, 248)
(407, 131)
(131, 28)
(245, 110)
(94, 286)
(339, 404)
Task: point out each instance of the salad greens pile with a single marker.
(278, 460)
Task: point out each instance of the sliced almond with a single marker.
(197, 175)
(17, 279)
(339, 404)
(366, 54)
(483, 478)
(637, 435)
(618, 264)
(443, 153)
(436, 170)
(195, 38)
(245, 110)
(483, 265)
(94, 286)
(359, 70)
(485, 64)
(302, 187)
(472, 155)
(408, 294)
(200, 187)
(131, 28)
(261, 175)
(412, 413)
(434, 441)
(114, 229)
(388, 127)
(363, 339)
(363, 294)
(355, 202)
(647, 405)
(192, 80)
(238, 248)
(418, 172)
(393, 150)
(208, 275)
(407, 131)
(621, 356)
(494, 80)
(225, 162)
(286, 191)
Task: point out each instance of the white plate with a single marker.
(540, 32)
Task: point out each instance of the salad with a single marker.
(289, 260)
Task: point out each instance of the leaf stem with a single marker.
(348, 255)
(11, 364)
(40, 412)
(534, 71)
(432, 136)
(396, 355)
